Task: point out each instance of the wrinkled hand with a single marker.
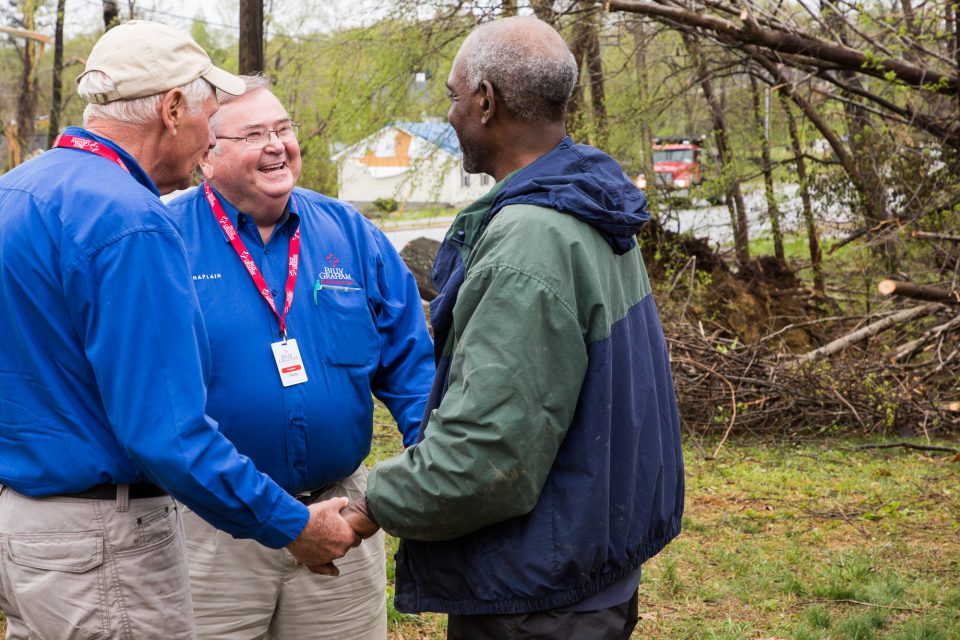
(326, 537)
(358, 516)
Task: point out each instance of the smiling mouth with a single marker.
(272, 168)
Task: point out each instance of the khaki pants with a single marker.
(78, 568)
(242, 590)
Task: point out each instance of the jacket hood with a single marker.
(584, 182)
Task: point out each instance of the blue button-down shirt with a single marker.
(357, 319)
(104, 358)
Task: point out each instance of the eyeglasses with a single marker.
(259, 138)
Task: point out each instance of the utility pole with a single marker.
(110, 14)
(251, 37)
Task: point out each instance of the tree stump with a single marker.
(419, 255)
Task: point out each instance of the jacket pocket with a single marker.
(59, 582)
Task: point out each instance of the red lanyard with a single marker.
(255, 275)
(90, 146)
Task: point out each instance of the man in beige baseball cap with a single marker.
(106, 362)
(144, 58)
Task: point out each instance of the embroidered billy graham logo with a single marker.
(333, 277)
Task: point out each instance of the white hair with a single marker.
(534, 82)
(138, 110)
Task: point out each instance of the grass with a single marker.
(811, 541)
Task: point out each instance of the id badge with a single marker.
(289, 362)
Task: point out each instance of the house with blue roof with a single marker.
(416, 163)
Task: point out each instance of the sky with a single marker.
(290, 15)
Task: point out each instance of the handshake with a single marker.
(333, 528)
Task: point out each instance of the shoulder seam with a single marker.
(543, 284)
(87, 254)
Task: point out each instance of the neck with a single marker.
(521, 144)
(142, 141)
(264, 211)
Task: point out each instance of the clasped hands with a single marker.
(333, 528)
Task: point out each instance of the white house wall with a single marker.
(433, 178)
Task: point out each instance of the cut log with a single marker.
(868, 331)
(419, 255)
(918, 292)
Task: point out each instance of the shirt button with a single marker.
(273, 292)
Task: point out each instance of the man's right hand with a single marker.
(326, 537)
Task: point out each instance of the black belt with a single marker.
(310, 498)
(109, 491)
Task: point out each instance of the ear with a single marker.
(207, 166)
(488, 101)
(173, 107)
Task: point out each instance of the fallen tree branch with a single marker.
(907, 445)
(930, 235)
(863, 333)
(786, 40)
(908, 349)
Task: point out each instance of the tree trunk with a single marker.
(836, 145)
(29, 84)
(734, 196)
(813, 237)
(585, 47)
(597, 90)
(110, 14)
(543, 9)
(862, 141)
(251, 37)
(53, 128)
(636, 26)
(773, 213)
(863, 333)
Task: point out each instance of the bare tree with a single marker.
(56, 102)
(773, 213)
(585, 46)
(813, 236)
(29, 88)
(734, 195)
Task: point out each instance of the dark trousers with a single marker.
(615, 623)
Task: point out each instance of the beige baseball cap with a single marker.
(144, 58)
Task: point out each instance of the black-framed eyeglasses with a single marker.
(259, 138)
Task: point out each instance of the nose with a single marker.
(211, 138)
(274, 142)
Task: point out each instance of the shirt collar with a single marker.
(135, 170)
(289, 212)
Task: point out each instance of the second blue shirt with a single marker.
(356, 317)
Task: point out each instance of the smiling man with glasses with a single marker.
(309, 310)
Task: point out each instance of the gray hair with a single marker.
(258, 82)
(535, 83)
(138, 110)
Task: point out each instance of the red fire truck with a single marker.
(676, 163)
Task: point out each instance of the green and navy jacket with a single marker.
(549, 465)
